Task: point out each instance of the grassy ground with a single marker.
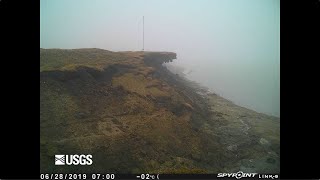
(109, 105)
(134, 116)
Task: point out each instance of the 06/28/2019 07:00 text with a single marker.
(77, 176)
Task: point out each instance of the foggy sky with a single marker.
(232, 46)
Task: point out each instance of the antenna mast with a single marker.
(143, 33)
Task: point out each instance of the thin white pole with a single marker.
(143, 33)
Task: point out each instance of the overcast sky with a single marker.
(232, 46)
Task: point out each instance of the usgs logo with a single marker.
(73, 159)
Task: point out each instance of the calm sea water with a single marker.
(254, 85)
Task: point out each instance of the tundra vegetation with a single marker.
(135, 116)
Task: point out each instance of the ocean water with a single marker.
(254, 85)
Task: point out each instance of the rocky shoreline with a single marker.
(250, 141)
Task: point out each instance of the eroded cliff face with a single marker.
(119, 108)
(135, 116)
(158, 58)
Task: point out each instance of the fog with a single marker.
(230, 46)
